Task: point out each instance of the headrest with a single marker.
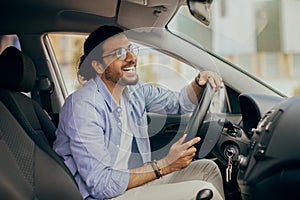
(17, 71)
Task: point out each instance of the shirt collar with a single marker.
(102, 89)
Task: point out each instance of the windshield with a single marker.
(258, 36)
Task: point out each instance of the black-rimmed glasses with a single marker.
(121, 53)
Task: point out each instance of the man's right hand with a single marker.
(180, 155)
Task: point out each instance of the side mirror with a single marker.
(200, 10)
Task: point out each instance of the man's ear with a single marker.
(98, 67)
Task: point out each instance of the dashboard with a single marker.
(270, 168)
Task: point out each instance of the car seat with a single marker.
(18, 76)
(26, 171)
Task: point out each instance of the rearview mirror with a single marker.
(200, 10)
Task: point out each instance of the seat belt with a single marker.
(45, 88)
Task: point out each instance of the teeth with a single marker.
(129, 69)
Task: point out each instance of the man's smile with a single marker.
(128, 69)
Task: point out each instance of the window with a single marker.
(296, 66)
(260, 36)
(153, 66)
(67, 49)
(162, 70)
(271, 65)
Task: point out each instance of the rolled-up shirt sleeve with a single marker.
(185, 102)
(159, 100)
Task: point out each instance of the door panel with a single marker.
(163, 131)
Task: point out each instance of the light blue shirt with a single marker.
(89, 132)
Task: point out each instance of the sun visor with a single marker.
(146, 13)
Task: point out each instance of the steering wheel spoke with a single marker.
(197, 119)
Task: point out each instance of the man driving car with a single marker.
(102, 134)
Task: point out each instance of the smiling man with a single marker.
(102, 134)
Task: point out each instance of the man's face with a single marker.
(120, 71)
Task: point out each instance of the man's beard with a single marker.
(117, 78)
(125, 81)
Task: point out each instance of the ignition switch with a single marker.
(231, 151)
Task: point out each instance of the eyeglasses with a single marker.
(121, 53)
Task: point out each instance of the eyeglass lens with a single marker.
(122, 52)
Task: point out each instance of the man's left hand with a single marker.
(210, 77)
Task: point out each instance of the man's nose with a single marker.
(130, 56)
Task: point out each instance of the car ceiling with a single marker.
(39, 16)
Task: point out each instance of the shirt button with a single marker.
(119, 110)
(119, 124)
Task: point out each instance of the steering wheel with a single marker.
(208, 138)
